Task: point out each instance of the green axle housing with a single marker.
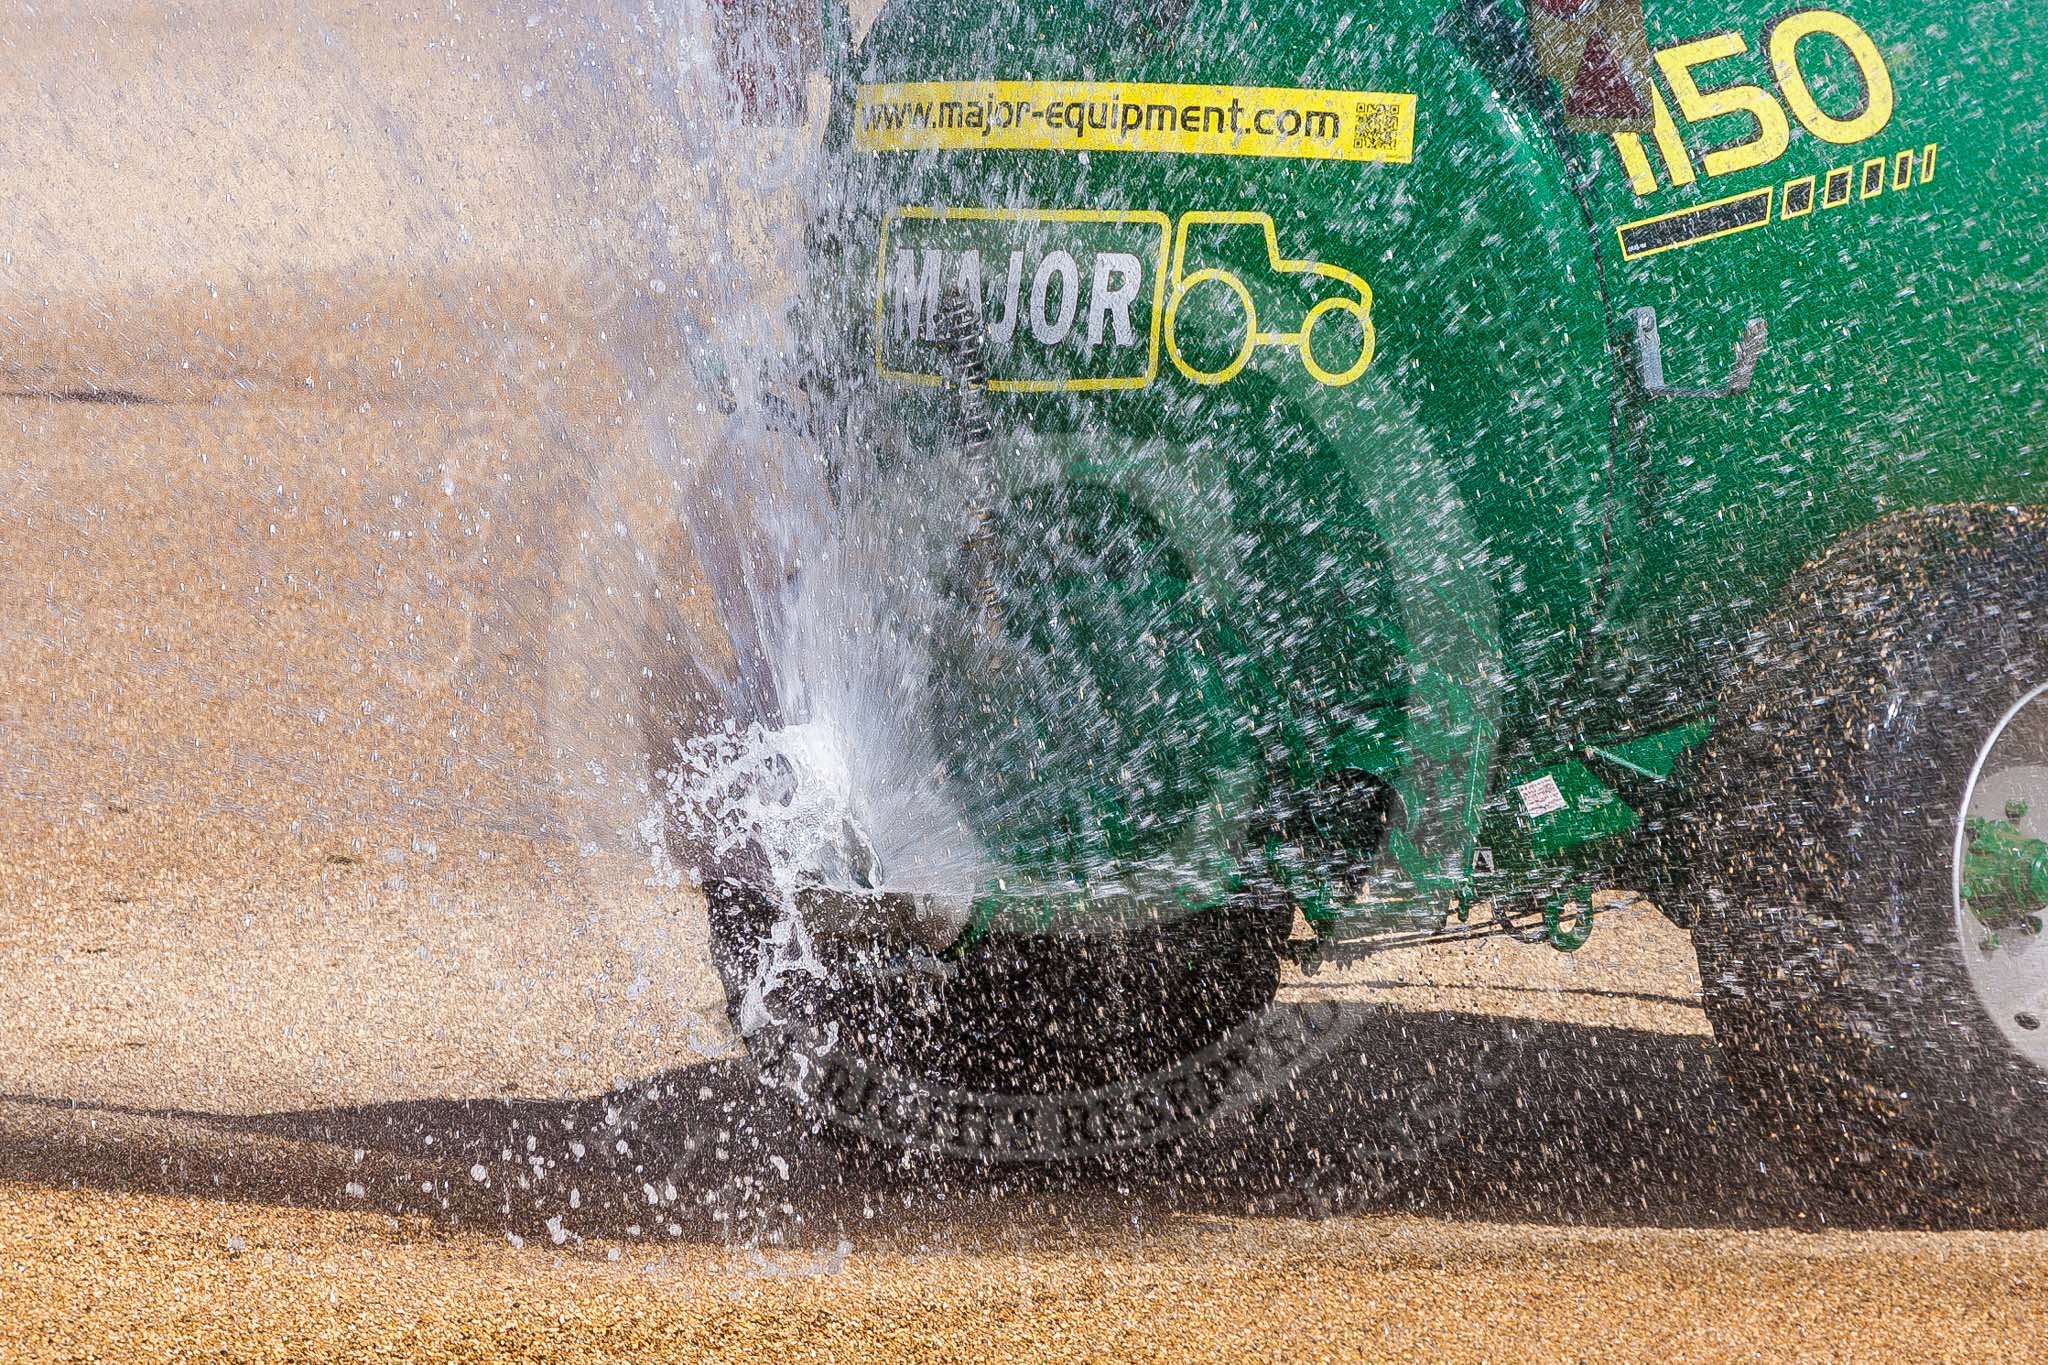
(2005, 874)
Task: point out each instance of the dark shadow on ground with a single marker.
(1460, 1116)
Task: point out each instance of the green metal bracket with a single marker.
(1566, 806)
(1654, 756)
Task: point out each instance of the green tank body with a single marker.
(1345, 311)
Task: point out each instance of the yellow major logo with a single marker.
(1086, 299)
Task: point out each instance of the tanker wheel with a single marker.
(899, 1055)
(1871, 945)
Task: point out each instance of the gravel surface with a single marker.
(331, 1028)
(119, 1277)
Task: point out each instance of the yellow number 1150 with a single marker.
(1695, 105)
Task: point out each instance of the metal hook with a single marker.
(1650, 359)
(1572, 939)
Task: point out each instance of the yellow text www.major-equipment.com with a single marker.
(1121, 116)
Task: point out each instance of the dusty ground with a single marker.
(338, 1014)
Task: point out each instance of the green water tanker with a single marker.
(1451, 458)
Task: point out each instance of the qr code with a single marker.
(1376, 126)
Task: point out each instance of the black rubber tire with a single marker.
(1018, 1016)
(1845, 740)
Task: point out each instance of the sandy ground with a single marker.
(340, 1016)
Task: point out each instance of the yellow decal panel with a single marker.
(1722, 217)
(1132, 116)
(1740, 212)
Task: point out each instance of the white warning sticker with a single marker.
(1541, 797)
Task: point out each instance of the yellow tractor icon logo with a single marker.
(1214, 316)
